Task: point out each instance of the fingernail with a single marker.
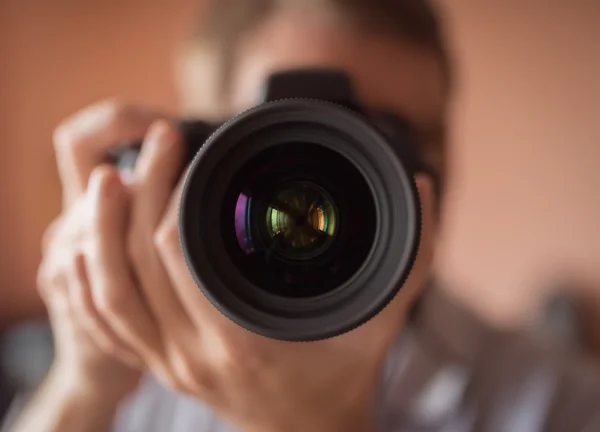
(105, 182)
(101, 184)
(95, 184)
(160, 136)
(111, 186)
(127, 176)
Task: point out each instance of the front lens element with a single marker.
(303, 220)
(300, 221)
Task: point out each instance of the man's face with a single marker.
(387, 74)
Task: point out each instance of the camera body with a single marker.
(299, 218)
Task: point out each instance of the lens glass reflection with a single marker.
(303, 220)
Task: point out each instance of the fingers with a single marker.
(50, 234)
(85, 313)
(52, 287)
(82, 141)
(156, 172)
(167, 244)
(113, 289)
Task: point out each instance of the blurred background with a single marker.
(523, 210)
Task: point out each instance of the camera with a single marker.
(299, 218)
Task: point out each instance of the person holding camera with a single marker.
(140, 347)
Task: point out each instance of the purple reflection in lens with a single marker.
(242, 223)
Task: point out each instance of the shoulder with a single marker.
(453, 369)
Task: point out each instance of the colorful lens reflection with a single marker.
(297, 222)
(242, 223)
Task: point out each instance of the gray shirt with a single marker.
(447, 372)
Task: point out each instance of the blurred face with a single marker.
(387, 74)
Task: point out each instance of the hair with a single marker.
(224, 24)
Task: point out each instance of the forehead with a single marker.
(388, 73)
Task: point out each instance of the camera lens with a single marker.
(299, 219)
(289, 224)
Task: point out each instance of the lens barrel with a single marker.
(299, 220)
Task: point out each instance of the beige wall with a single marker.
(526, 199)
(526, 131)
(58, 56)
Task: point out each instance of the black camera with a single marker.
(299, 218)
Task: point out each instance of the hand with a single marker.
(255, 382)
(81, 243)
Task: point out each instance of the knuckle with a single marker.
(235, 356)
(232, 354)
(116, 113)
(232, 357)
(43, 277)
(72, 133)
(49, 277)
(182, 368)
(113, 107)
(188, 371)
(50, 233)
(64, 136)
(166, 238)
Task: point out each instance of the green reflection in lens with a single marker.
(301, 219)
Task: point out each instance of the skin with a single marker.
(121, 298)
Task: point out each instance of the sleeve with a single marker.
(453, 373)
(525, 386)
